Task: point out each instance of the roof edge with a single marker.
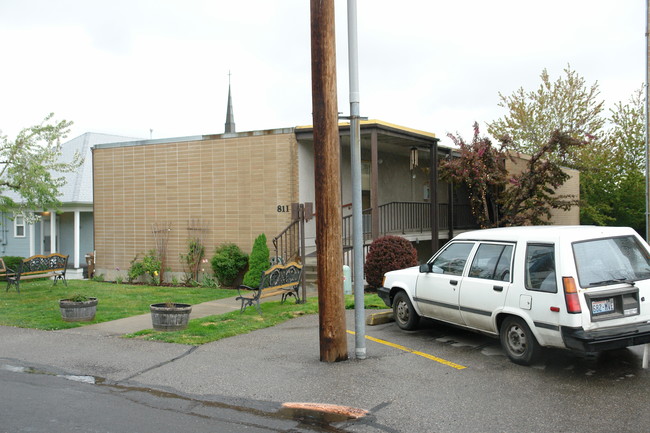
(195, 138)
(380, 124)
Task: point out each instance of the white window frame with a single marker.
(19, 222)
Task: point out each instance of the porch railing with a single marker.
(287, 243)
(394, 218)
(409, 217)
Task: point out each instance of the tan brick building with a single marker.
(239, 185)
(570, 187)
(234, 185)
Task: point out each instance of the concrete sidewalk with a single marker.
(129, 325)
(133, 324)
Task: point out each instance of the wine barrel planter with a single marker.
(166, 317)
(78, 311)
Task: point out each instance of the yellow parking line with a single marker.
(415, 352)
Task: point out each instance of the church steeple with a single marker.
(230, 117)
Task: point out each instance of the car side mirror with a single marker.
(426, 267)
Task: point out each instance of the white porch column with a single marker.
(32, 240)
(52, 232)
(41, 240)
(76, 239)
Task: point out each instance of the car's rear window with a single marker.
(610, 260)
(540, 268)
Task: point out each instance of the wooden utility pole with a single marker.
(329, 243)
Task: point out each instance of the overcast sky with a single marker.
(127, 66)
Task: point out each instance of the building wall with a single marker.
(11, 245)
(66, 235)
(307, 190)
(238, 187)
(570, 187)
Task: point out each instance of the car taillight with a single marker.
(571, 295)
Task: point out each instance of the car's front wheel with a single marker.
(404, 313)
(518, 341)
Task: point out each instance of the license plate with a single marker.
(602, 306)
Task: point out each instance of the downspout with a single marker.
(433, 152)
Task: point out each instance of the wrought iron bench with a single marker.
(278, 279)
(52, 265)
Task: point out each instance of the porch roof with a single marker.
(388, 134)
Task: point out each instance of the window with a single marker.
(19, 226)
(452, 259)
(540, 268)
(492, 262)
(604, 261)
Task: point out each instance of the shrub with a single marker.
(149, 266)
(209, 282)
(192, 260)
(388, 253)
(258, 262)
(12, 262)
(228, 261)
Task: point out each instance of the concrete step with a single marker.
(310, 270)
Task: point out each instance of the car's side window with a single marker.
(492, 262)
(453, 258)
(503, 272)
(540, 268)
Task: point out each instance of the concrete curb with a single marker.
(379, 318)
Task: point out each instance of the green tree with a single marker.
(258, 261)
(612, 159)
(567, 105)
(613, 188)
(30, 168)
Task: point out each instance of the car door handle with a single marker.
(497, 288)
(453, 282)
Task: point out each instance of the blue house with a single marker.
(70, 229)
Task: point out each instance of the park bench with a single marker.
(38, 266)
(278, 279)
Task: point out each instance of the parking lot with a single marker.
(410, 382)
(562, 392)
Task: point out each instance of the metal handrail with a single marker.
(287, 243)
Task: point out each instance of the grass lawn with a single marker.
(37, 306)
(213, 328)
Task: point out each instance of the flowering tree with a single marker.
(611, 164)
(531, 195)
(480, 167)
(30, 168)
(498, 198)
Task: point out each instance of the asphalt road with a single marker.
(38, 402)
(436, 379)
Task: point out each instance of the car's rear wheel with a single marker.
(404, 313)
(518, 341)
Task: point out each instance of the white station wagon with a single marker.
(573, 287)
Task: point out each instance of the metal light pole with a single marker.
(647, 122)
(355, 162)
